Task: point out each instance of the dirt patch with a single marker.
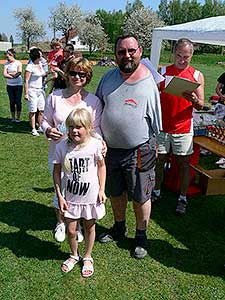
(3, 61)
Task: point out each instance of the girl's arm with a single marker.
(102, 179)
(57, 183)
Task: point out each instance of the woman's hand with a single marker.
(26, 97)
(53, 133)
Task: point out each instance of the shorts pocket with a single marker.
(146, 156)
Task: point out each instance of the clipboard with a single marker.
(177, 85)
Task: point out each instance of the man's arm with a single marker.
(196, 97)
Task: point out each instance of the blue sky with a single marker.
(42, 10)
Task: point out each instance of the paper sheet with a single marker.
(177, 85)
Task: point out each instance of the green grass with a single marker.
(186, 255)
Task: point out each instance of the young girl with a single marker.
(81, 191)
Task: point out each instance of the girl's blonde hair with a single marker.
(77, 117)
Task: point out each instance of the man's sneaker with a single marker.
(222, 166)
(181, 207)
(141, 244)
(113, 234)
(34, 132)
(154, 197)
(80, 236)
(60, 232)
(140, 252)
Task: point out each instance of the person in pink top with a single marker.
(59, 104)
(83, 183)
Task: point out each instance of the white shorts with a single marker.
(178, 144)
(36, 100)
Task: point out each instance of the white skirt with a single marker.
(86, 211)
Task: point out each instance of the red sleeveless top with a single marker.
(176, 111)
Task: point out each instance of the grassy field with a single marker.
(185, 255)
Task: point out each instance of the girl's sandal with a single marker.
(88, 270)
(69, 264)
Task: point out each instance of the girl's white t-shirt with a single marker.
(80, 183)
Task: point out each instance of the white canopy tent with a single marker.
(205, 31)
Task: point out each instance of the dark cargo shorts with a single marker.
(131, 170)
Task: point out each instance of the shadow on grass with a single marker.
(200, 235)
(28, 216)
(45, 190)
(6, 125)
(194, 243)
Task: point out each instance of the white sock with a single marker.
(157, 193)
(182, 198)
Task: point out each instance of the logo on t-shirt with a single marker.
(75, 185)
(130, 102)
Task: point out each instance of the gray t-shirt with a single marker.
(132, 111)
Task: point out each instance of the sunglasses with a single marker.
(131, 51)
(75, 73)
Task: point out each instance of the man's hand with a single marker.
(191, 96)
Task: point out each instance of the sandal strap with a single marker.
(88, 259)
(75, 257)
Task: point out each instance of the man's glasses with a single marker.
(80, 74)
(131, 51)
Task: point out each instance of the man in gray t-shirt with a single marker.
(130, 120)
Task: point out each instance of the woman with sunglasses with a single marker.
(60, 103)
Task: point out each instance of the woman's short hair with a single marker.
(81, 64)
(35, 53)
(11, 52)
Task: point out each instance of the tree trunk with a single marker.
(90, 50)
(28, 44)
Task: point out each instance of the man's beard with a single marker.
(128, 66)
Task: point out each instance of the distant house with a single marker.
(75, 40)
(5, 46)
(78, 45)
